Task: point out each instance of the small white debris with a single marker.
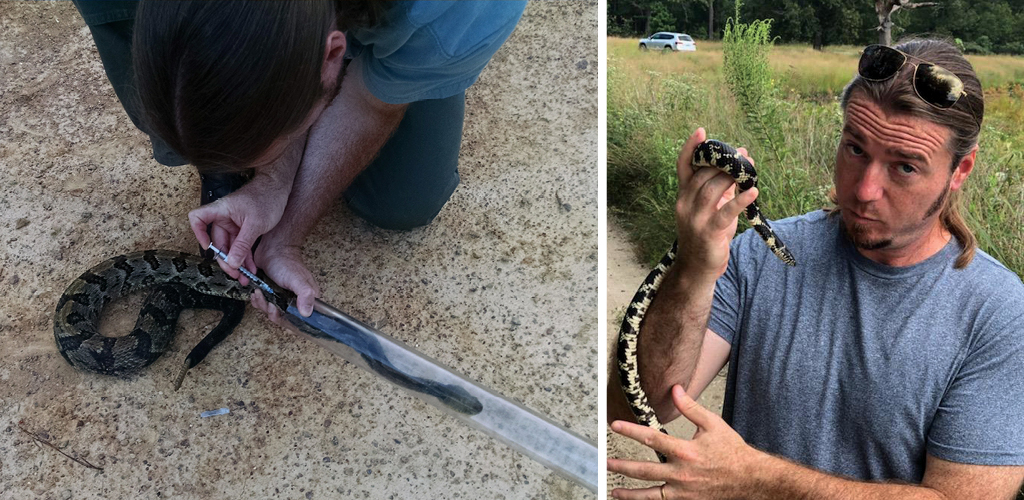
(213, 413)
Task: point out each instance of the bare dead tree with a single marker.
(711, 19)
(885, 9)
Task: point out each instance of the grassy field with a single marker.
(656, 100)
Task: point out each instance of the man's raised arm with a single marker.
(672, 348)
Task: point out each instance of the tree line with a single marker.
(982, 27)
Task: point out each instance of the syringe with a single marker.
(248, 274)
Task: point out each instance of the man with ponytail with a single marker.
(283, 107)
(889, 362)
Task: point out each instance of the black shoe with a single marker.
(215, 187)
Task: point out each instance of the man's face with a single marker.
(892, 177)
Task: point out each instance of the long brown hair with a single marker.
(220, 81)
(897, 95)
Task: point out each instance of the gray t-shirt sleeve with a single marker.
(978, 420)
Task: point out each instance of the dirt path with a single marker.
(502, 287)
(625, 274)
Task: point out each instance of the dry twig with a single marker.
(47, 443)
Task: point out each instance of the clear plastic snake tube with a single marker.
(531, 434)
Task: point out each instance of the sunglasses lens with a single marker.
(937, 85)
(880, 62)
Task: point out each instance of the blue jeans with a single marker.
(417, 169)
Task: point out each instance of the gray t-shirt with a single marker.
(860, 369)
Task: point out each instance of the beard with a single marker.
(940, 202)
(859, 235)
(332, 93)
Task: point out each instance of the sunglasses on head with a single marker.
(934, 84)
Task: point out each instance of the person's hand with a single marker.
(707, 208)
(283, 264)
(236, 220)
(714, 465)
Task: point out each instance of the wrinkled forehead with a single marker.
(902, 132)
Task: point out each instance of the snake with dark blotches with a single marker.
(725, 158)
(182, 281)
(179, 281)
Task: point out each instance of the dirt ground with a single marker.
(502, 287)
(625, 273)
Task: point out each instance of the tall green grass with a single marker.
(656, 100)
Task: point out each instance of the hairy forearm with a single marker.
(672, 335)
(342, 143)
(775, 478)
(278, 176)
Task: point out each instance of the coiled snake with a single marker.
(184, 281)
(180, 281)
(707, 154)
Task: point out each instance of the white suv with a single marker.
(668, 41)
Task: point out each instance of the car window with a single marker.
(686, 38)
